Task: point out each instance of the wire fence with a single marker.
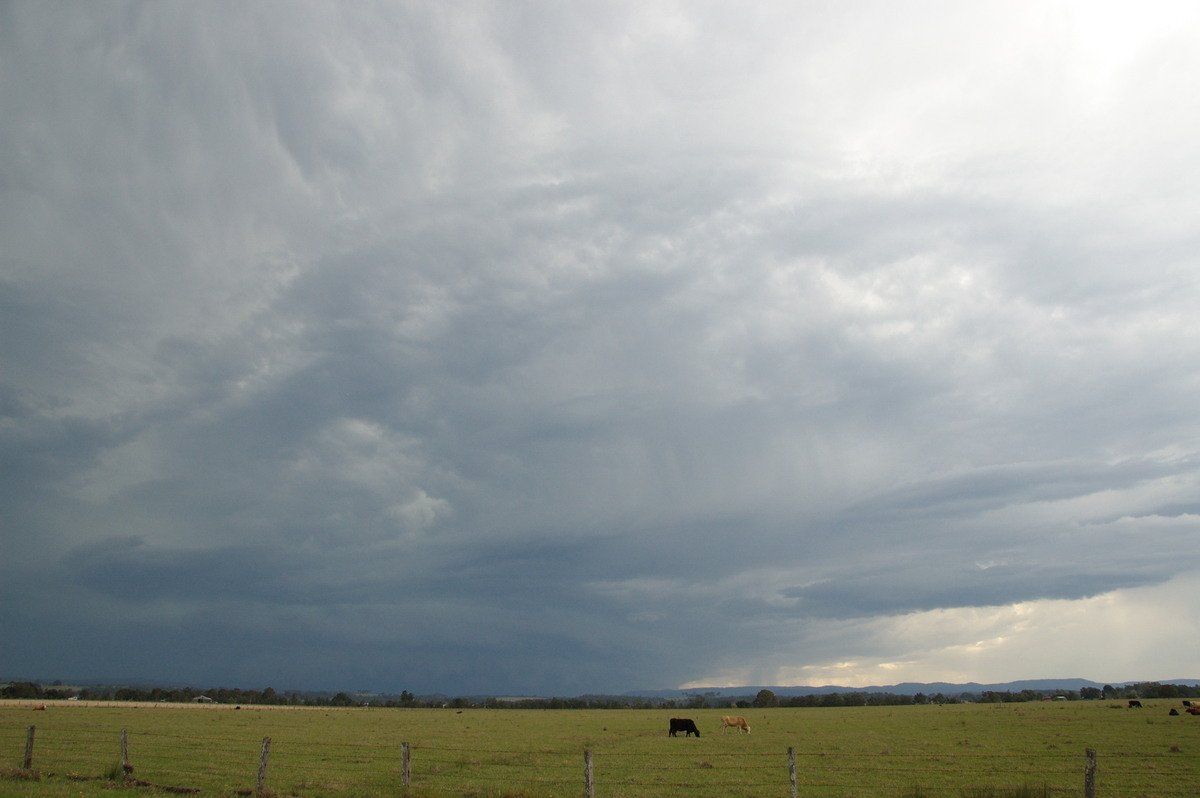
(246, 765)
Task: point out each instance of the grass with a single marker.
(951, 751)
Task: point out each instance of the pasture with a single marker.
(976, 750)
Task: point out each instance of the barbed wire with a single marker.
(180, 758)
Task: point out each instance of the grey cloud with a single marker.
(989, 488)
(932, 586)
(568, 341)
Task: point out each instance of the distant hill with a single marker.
(905, 688)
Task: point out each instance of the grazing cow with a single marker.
(685, 725)
(737, 722)
(1134, 703)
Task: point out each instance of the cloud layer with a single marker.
(531, 348)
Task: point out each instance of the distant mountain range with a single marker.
(905, 688)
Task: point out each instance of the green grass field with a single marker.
(974, 750)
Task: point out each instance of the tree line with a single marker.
(183, 695)
(765, 698)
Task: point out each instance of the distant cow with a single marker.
(1193, 710)
(1173, 711)
(685, 725)
(737, 722)
(1133, 702)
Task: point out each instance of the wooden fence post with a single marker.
(1089, 774)
(125, 768)
(589, 784)
(792, 769)
(262, 764)
(405, 765)
(28, 764)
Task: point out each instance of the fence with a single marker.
(194, 765)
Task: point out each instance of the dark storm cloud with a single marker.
(983, 489)
(931, 586)
(464, 347)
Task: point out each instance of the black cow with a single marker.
(1133, 702)
(1173, 711)
(685, 725)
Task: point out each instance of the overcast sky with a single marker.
(554, 348)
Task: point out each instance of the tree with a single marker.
(765, 698)
(22, 690)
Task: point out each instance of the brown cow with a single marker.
(737, 722)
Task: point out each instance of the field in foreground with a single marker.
(976, 750)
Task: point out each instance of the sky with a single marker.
(556, 348)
